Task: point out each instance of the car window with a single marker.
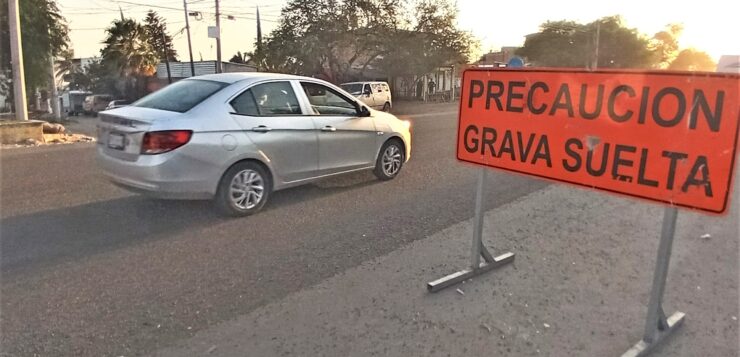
(326, 101)
(245, 104)
(352, 88)
(181, 96)
(275, 98)
(366, 88)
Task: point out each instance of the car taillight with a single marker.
(157, 142)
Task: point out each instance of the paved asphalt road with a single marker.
(90, 270)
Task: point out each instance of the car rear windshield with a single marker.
(352, 88)
(181, 96)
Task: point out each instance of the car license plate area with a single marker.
(116, 141)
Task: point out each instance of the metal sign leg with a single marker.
(657, 326)
(477, 248)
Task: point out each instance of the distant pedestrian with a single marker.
(432, 86)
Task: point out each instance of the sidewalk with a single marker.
(81, 125)
(579, 287)
(416, 107)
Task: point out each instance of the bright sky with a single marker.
(709, 25)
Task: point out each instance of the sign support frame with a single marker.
(478, 250)
(658, 327)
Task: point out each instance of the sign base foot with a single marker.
(643, 348)
(466, 274)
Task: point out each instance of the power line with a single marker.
(147, 5)
(105, 28)
(179, 9)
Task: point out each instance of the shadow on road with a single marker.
(56, 235)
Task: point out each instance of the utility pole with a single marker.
(595, 62)
(16, 54)
(166, 57)
(259, 29)
(190, 46)
(54, 94)
(218, 39)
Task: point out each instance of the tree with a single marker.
(156, 31)
(6, 88)
(128, 51)
(433, 40)
(570, 44)
(693, 60)
(240, 57)
(665, 45)
(557, 44)
(44, 34)
(328, 38)
(342, 39)
(66, 67)
(65, 63)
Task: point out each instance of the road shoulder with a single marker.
(579, 286)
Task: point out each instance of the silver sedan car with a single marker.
(237, 137)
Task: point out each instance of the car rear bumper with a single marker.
(162, 176)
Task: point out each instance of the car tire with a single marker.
(243, 190)
(387, 107)
(390, 160)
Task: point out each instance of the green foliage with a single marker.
(156, 31)
(570, 44)
(340, 39)
(693, 60)
(240, 57)
(95, 77)
(44, 32)
(432, 41)
(558, 44)
(129, 53)
(65, 63)
(127, 48)
(6, 88)
(665, 45)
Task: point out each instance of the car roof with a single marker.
(370, 82)
(242, 76)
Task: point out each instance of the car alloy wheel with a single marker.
(246, 189)
(392, 159)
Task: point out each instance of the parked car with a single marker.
(377, 95)
(96, 103)
(238, 137)
(73, 101)
(117, 104)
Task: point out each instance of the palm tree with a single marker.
(240, 57)
(66, 67)
(65, 63)
(129, 51)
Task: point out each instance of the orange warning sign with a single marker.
(664, 136)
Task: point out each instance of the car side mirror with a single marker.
(368, 92)
(362, 111)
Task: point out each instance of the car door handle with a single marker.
(261, 129)
(328, 128)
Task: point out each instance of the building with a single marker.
(729, 64)
(181, 70)
(497, 59)
(440, 85)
